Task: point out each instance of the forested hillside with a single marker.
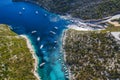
(85, 9)
(16, 61)
(92, 55)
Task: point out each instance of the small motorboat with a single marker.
(20, 13)
(56, 27)
(23, 8)
(52, 32)
(38, 39)
(41, 46)
(36, 12)
(33, 32)
(42, 64)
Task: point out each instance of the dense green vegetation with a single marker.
(16, 62)
(85, 9)
(92, 55)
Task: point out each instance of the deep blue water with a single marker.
(35, 22)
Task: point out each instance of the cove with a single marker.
(45, 32)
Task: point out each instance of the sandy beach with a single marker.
(31, 48)
(115, 23)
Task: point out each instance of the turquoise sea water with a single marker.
(44, 30)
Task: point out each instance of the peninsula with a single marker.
(16, 60)
(93, 55)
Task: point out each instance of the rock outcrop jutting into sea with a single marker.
(16, 61)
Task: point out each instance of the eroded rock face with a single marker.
(85, 9)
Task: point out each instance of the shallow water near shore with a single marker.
(45, 32)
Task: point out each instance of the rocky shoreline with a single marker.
(29, 45)
(16, 59)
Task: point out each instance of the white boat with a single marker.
(66, 71)
(64, 67)
(52, 32)
(38, 39)
(59, 59)
(36, 12)
(66, 74)
(23, 8)
(54, 47)
(33, 32)
(56, 27)
(55, 42)
(41, 46)
(20, 12)
(45, 14)
(42, 64)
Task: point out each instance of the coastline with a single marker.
(65, 55)
(29, 45)
(63, 42)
